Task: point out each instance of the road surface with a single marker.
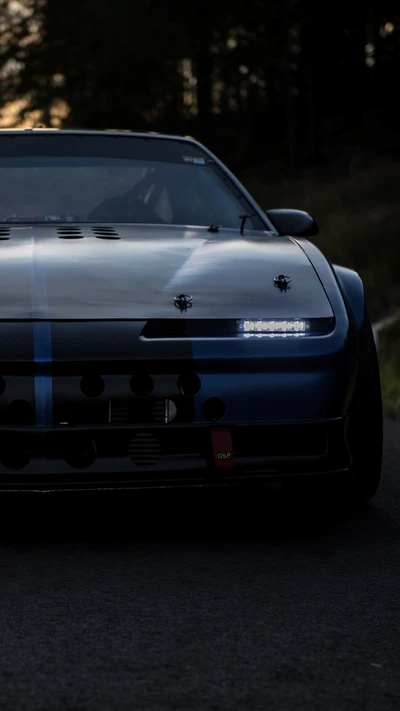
(186, 602)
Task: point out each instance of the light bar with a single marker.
(277, 327)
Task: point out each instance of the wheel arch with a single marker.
(352, 288)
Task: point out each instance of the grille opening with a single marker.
(281, 440)
(142, 384)
(164, 411)
(2, 386)
(69, 232)
(19, 412)
(15, 452)
(15, 460)
(214, 409)
(105, 233)
(115, 443)
(144, 449)
(92, 385)
(118, 411)
(80, 453)
(63, 414)
(132, 411)
(189, 384)
(4, 234)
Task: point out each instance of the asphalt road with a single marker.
(168, 601)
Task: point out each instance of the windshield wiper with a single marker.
(244, 218)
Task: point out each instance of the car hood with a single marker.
(136, 273)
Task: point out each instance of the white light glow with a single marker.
(280, 327)
(273, 335)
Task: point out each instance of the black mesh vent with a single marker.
(159, 411)
(118, 412)
(144, 449)
(105, 412)
(164, 411)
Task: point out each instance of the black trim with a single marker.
(216, 328)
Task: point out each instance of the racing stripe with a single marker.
(41, 342)
(43, 375)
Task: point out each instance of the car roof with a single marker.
(104, 132)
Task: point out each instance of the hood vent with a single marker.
(69, 232)
(105, 233)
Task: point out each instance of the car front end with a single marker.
(175, 352)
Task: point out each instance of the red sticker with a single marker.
(222, 447)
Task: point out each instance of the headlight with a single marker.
(295, 327)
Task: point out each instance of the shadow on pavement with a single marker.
(183, 516)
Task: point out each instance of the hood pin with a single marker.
(282, 282)
(183, 301)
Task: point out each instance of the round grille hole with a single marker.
(16, 452)
(2, 386)
(15, 460)
(214, 409)
(144, 449)
(142, 384)
(81, 453)
(189, 384)
(92, 385)
(164, 411)
(19, 412)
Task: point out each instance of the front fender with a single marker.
(352, 288)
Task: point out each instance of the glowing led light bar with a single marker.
(272, 335)
(279, 327)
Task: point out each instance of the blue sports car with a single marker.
(158, 328)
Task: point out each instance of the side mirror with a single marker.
(294, 223)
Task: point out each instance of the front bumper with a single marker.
(176, 455)
(90, 409)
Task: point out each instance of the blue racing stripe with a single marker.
(42, 350)
(43, 380)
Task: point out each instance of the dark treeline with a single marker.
(300, 83)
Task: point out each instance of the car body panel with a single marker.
(76, 309)
(352, 288)
(47, 276)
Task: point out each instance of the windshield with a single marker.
(91, 178)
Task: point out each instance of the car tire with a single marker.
(365, 427)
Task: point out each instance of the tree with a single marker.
(257, 80)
